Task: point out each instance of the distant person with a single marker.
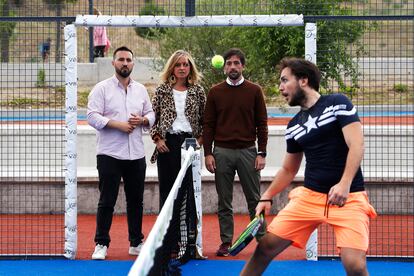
(178, 104)
(119, 108)
(235, 118)
(328, 132)
(45, 49)
(101, 42)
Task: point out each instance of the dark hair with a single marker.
(122, 48)
(235, 52)
(302, 69)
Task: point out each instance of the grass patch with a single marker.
(83, 98)
(24, 103)
(400, 88)
(41, 78)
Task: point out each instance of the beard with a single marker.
(124, 72)
(298, 98)
(234, 75)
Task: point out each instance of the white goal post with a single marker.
(71, 117)
(193, 21)
(150, 21)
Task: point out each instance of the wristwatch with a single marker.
(262, 153)
(144, 121)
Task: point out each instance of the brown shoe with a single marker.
(223, 250)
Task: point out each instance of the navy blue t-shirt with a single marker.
(318, 133)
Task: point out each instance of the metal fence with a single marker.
(382, 87)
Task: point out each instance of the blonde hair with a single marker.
(193, 77)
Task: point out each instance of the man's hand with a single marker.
(260, 163)
(162, 146)
(338, 194)
(136, 120)
(210, 163)
(121, 126)
(263, 207)
(125, 127)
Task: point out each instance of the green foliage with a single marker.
(53, 3)
(41, 78)
(400, 88)
(350, 91)
(150, 33)
(83, 98)
(265, 46)
(22, 103)
(7, 28)
(60, 89)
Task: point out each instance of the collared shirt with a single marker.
(229, 82)
(108, 100)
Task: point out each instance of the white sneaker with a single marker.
(100, 252)
(135, 250)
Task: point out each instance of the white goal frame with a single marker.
(150, 21)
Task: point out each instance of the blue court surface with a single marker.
(207, 267)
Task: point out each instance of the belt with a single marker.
(180, 133)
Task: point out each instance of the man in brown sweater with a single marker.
(235, 116)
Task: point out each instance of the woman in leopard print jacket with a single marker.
(178, 104)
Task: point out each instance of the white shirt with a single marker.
(229, 82)
(108, 100)
(181, 124)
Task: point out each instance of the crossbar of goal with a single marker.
(193, 21)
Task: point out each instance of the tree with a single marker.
(57, 6)
(150, 8)
(7, 28)
(265, 46)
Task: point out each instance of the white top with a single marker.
(181, 124)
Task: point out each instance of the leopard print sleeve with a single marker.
(156, 103)
(202, 105)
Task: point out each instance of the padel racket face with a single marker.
(246, 236)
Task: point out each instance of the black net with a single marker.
(32, 143)
(381, 87)
(179, 243)
(376, 41)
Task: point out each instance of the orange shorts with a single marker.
(306, 210)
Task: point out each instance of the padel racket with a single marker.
(247, 235)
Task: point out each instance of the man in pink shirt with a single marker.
(119, 109)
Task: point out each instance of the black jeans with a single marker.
(169, 164)
(133, 174)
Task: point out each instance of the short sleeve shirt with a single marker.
(318, 133)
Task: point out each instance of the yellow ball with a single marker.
(217, 61)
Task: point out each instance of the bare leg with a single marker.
(269, 246)
(354, 261)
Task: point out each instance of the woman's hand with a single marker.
(200, 141)
(161, 146)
